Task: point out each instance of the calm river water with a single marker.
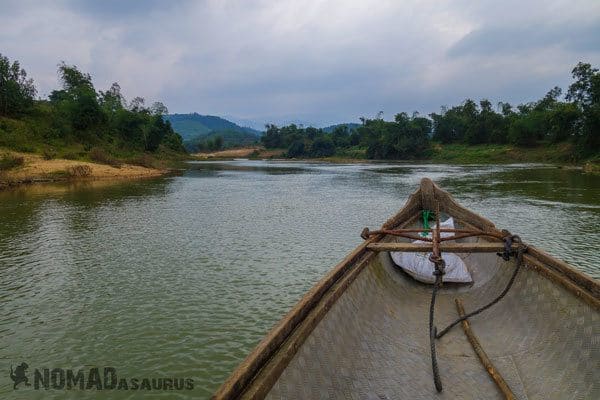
(181, 276)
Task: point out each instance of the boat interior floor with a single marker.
(374, 342)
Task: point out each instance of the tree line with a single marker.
(78, 113)
(573, 118)
(209, 144)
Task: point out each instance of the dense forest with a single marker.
(573, 119)
(77, 121)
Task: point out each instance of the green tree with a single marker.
(159, 108)
(412, 140)
(549, 100)
(272, 139)
(78, 99)
(322, 147)
(172, 140)
(296, 149)
(310, 132)
(112, 100)
(137, 105)
(341, 136)
(585, 93)
(218, 142)
(505, 108)
(17, 92)
(450, 125)
(525, 129)
(130, 128)
(581, 91)
(155, 133)
(563, 120)
(404, 138)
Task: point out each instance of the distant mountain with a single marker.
(195, 128)
(249, 123)
(351, 127)
(192, 125)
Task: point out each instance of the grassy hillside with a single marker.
(188, 128)
(79, 122)
(38, 132)
(192, 125)
(197, 130)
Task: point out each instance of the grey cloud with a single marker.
(306, 60)
(507, 39)
(121, 9)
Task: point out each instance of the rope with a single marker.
(506, 255)
(439, 271)
(439, 264)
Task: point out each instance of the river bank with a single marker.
(33, 168)
(457, 154)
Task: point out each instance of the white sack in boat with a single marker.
(419, 267)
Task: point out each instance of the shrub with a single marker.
(99, 155)
(49, 153)
(145, 160)
(323, 147)
(79, 171)
(255, 153)
(296, 149)
(10, 161)
(25, 148)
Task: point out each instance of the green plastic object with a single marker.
(426, 215)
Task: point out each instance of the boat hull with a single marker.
(374, 342)
(362, 331)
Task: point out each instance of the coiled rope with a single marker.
(439, 272)
(506, 256)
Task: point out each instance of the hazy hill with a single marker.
(351, 126)
(193, 125)
(195, 129)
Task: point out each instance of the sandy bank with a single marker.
(36, 169)
(244, 152)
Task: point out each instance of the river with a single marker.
(181, 276)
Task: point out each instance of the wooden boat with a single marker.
(362, 331)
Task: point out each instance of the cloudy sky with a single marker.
(318, 62)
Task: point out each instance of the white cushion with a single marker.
(419, 267)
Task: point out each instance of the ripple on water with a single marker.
(183, 276)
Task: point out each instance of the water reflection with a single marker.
(270, 168)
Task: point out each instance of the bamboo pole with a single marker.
(487, 363)
(481, 247)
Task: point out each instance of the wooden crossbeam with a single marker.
(483, 247)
